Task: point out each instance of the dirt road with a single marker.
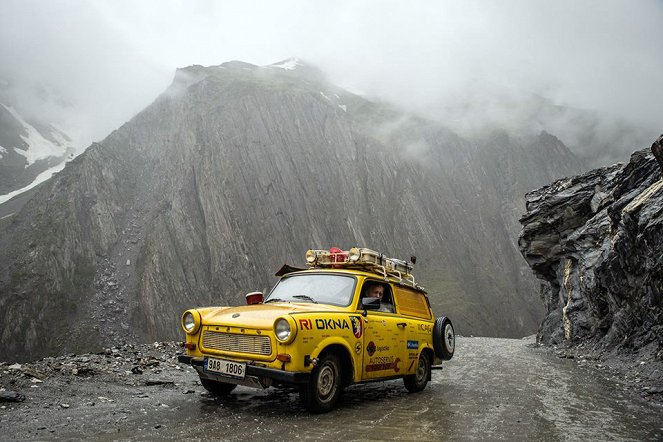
(493, 389)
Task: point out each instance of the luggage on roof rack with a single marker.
(365, 259)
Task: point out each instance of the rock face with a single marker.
(596, 241)
(236, 169)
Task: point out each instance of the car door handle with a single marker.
(401, 324)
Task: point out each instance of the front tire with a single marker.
(325, 386)
(419, 379)
(216, 388)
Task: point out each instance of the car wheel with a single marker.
(444, 338)
(419, 379)
(217, 388)
(324, 387)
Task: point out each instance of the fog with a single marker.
(90, 66)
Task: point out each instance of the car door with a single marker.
(385, 347)
(414, 308)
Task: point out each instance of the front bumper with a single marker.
(255, 375)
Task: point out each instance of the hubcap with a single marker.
(421, 370)
(449, 338)
(326, 381)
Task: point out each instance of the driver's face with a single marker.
(376, 291)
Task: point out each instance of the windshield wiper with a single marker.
(306, 297)
(275, 300)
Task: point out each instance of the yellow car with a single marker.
(351, 317)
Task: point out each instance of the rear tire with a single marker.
(324, 388)
(216, 388)
(417, 381)
(444, 338)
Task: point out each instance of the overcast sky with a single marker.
(111, 58)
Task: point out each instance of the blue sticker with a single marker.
(412, 345)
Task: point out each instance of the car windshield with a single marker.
(319, 288)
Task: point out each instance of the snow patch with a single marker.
(325, 96)
(23, 153)
(343, 107)
(2, 150)
(39, 148)
(289, 64)
(38, 180)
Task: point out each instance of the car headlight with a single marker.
(285, 330)
(191, 321)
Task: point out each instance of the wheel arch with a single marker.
(345, 358)
(431, 358)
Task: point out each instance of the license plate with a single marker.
(228, 368)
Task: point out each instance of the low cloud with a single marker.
(464, 63)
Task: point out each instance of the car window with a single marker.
(411, 303)
(387, 303)
(317, 288)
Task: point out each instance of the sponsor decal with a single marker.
(358, 347)
(412, 345)
(357, 328)
(381, 366)
(411, 364)
(381, 360)
(331, 324)
(371, 348)
(325, 324)
(426, 328)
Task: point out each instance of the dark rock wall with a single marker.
(235, 170)
(596, 242)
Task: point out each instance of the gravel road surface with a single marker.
(493, 389)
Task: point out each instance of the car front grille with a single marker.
(250, 344)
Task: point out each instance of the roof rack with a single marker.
(364, 259)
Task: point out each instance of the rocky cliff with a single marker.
(596, 242)
(236, 169)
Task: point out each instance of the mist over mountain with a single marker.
(236, 169)
(598, 138)
(588, 73)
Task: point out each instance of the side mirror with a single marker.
(254, 298)
(370, 303)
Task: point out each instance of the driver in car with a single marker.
(377, 290)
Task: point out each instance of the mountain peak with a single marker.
(299, 68)
(288, 64)
(238, 64)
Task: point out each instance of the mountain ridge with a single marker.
(229, 173)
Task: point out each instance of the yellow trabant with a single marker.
(352, 316)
